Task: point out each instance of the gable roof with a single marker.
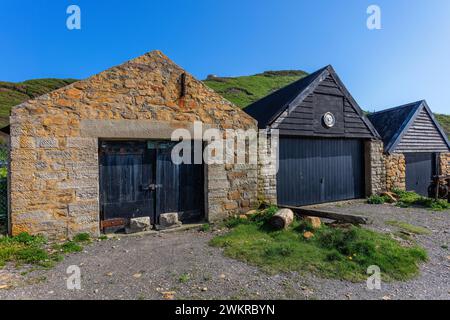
(149, 87)
(393, 123)
(269, 108)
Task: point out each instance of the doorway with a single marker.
(139, 179)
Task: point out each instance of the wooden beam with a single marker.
(307, 211)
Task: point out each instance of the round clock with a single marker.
(329, 120)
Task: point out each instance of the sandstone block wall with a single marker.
(395, 171)
(267, 170)
(444, 163)
(54, 187)
(375, 167)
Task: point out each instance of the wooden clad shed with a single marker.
(413, 142)
(325, 150)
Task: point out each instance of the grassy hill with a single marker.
(240, 90)
(444, 120)
(12, 94)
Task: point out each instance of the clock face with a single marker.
(329, 120)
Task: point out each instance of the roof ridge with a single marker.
(418, 103)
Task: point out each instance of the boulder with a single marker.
(308, 235)
(251, 213)
(314, 221)
(169, 220)
(138, 225)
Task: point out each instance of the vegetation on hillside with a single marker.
(242, 91)
(12, 94)
(245, 90)
(444, 120)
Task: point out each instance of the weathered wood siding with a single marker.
(306, 118)
(422, 136)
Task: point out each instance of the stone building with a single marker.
(90, 155)
(415, 146)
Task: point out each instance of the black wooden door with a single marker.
(126, 179)
(420, 167)
(139, 179)
(319, 170)
(180, 187)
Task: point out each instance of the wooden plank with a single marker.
(119, 222)
(307, 211)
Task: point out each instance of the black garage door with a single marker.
(420, 167)
(320, 170)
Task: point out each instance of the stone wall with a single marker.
(267, 170)
(444, 163)
(231, 191)
(395, 171)
(375, 167)
(54, 142)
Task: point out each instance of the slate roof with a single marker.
(392, 123)
(267, 109)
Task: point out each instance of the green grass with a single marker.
(82, 237)
(245, 90)
(34, 250)
(408, 227)
(331, 252)
(24, 249)
(205, 227)
(444, 121)
(184, 278)
(377, 199)
(410, 198)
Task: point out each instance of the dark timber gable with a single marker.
(302, 112)
(410, 128)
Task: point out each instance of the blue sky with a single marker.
(408, 60)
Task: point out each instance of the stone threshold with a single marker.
(184, 227)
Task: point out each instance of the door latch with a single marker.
(151, 187)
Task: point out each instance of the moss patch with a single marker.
(408, 227)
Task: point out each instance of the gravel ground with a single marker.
(182, 263)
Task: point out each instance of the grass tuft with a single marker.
(184, 278)
(377, 199)
(82, 237)
(24, 249)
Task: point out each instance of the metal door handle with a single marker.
(151, 187)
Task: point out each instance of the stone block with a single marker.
(138, 225)
(46, 142)
(168, 220)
